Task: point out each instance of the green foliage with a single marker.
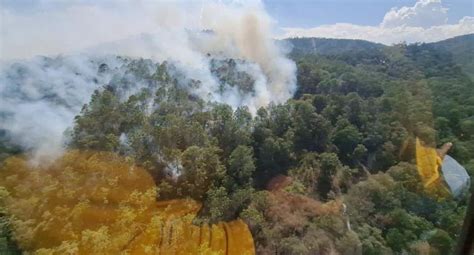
(201, 169)
(241, 165)
(442, 241)
(372, 240)
(293, 245)
(99, 128)
(395, 213)
(7, 244)
(218, 202)
(405, 228)
(349, 243)
(347, 134)
(308, 172)
(311, 130)
(346, 138)
(296, 187)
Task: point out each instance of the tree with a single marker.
(311, 130)
(308, 172)
(346, 137)
(275, 156)
(241, 165)
(359, 153)
(330, 165)
(372, 240)
(442, 242)
(201, 169)
(100, 124)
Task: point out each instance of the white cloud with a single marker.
(385, 35)
(425, 14)
(424, 22)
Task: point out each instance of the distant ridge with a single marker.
(327, 46)
(461, 48)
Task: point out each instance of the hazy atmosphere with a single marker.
(52, 27)
(236, 127)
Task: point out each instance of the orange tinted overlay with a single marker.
(429, 163)
(100, 203)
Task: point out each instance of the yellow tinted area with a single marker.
(428, 163)
(100, 203)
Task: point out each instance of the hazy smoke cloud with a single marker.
(40, 97)
(233, 31)
(246, 34)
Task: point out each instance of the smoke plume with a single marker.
(39, 97)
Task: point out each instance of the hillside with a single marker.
(329, 168)
(462, 50)
(326, 46)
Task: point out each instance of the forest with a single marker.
(330, 171)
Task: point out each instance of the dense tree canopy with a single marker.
(343, 146)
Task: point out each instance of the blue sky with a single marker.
(306, 13)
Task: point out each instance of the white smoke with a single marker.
(40, 97)
(39, 101)
(247, 34)
(233, 31)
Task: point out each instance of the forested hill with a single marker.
(461, 48)
(339, 67)
(343, 137)
(328, 46)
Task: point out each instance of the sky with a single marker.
(32, 27)
(311, 13)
